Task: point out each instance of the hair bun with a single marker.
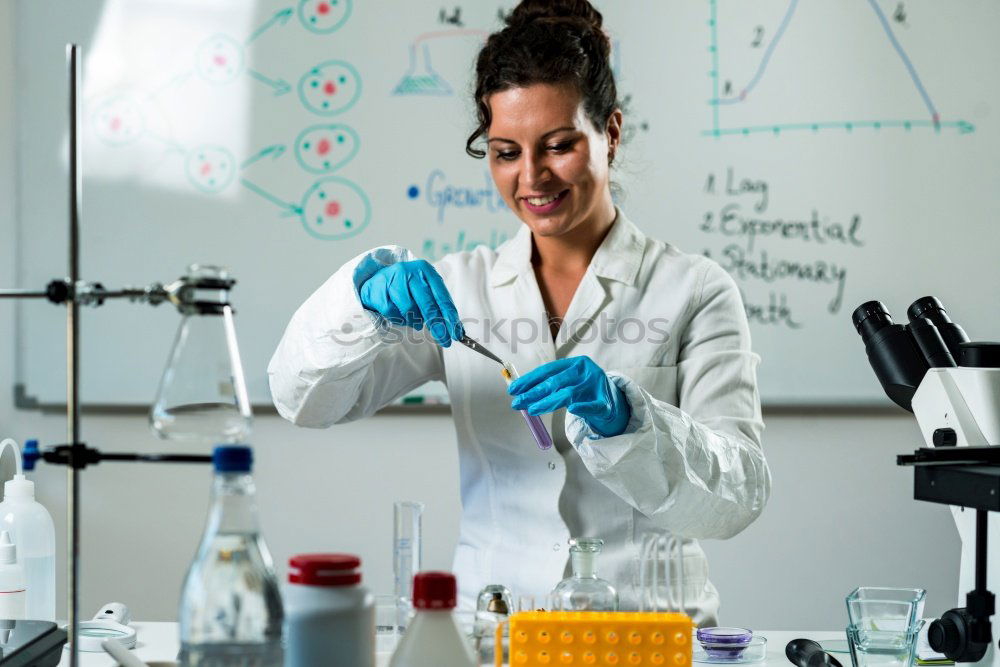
(528, 11)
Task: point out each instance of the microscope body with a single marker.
(952, 386)
(965, 401)
(960, 407)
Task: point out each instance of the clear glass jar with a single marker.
(585, 591)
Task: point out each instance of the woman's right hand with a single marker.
(413, 294)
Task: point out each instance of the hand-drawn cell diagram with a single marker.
(330, 88)
(118, 120)
(324, 16)
(331, 207)
(210, 168)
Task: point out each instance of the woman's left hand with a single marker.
(577, 384)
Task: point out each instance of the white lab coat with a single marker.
(689, 462)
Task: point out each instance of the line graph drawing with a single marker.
(725, 100)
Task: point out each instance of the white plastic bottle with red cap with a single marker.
(329, 615)
(432, 639)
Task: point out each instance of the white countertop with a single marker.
(158, 643)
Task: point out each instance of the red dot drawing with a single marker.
(334, 208)
(322, 149)
(220, 59)
(324, 16)
(330, 88)
(118, 121)
(210, 168)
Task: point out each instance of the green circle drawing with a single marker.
(220, 59)
(335, 208)
(324, 16)
(330, 88)
(323, 149)
(210, 168)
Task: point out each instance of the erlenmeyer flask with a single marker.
(202, 395)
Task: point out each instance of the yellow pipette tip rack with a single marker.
(619, 638)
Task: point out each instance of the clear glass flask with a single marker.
(230, 611)
(585, 591)
(202, 395)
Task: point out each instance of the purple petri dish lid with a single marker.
(730, 636)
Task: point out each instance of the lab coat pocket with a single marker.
(659, 381)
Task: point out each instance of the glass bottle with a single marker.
(584, 591)
(230, 610)
(202, 395)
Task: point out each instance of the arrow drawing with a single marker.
(274, 151)
(280, 18)
(290, 208)
(280, 86)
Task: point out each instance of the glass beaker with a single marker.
(202, 395)
(884, 624)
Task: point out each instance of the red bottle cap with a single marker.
(324, 569)
(434, 590)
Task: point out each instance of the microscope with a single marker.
(952, 386)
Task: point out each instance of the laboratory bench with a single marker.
(158, 643)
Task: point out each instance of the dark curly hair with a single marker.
(547, 41)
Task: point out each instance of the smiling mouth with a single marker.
(544, 201)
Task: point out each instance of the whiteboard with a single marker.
(824, 153)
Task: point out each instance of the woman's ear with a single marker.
(613, 131)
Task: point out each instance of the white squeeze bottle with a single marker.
(12, 595)
(31, 529)
(432, 639)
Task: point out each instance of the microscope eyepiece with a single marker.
(953, 335)
(892, 351)
(870, 317)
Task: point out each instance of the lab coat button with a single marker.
(555, 547)
(552, 465)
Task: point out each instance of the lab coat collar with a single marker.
(618, 257)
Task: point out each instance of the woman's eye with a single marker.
(506, 155)
(560, 147)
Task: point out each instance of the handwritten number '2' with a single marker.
(758, 38)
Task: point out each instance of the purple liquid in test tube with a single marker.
(534, 422)
(538, 430)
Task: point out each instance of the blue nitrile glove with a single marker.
(413, 294)
(580, 386)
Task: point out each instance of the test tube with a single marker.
(534, 422)
(406, 555)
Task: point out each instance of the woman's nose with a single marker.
(535, 171)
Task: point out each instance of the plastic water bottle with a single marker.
(432, 638)
(12, 597)
(230, 611)
(31, 528)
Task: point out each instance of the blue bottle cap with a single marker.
(232, 458)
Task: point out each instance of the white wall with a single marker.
(841, 513)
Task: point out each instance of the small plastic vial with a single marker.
(585, 591)
(432, 638)
(329, 615)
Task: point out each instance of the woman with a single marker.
(640, 353)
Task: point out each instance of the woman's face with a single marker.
(548, 160)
